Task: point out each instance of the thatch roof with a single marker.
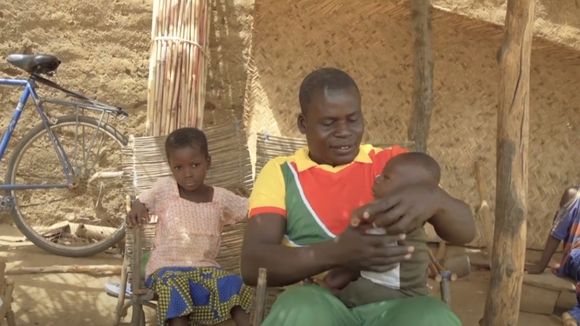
(373, 42)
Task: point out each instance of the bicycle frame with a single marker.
(29, 91)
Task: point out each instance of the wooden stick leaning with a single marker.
(90, 269)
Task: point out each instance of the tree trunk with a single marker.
(423, 92)
(503, 299)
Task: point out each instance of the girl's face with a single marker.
(189, 166)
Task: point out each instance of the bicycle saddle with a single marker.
(34, 63)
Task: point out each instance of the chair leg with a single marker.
(121, 299)
(260, 300)
(10, 320)
(138, 315)
(445, 287)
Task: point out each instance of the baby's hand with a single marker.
(138, 214)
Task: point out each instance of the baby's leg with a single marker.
(241, 317)
(338, 278)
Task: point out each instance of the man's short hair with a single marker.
(320, 80)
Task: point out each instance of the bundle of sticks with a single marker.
(177, 65)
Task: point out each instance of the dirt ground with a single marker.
(80, 299)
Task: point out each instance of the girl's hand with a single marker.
(138, 214)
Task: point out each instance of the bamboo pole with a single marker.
(503, 298)
(423, 93)
(179, 36)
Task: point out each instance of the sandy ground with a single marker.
(79, 299)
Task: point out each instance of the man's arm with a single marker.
(409, 207)
(568, 195)
(552, 242)
(454, 221)
(549, 250)
(287, 265)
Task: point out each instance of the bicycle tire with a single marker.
(12, 175)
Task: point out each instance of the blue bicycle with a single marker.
(63, 182)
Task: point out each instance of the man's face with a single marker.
(333, 125)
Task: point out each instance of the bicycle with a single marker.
(78, 211)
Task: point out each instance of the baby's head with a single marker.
(406, 169)
(188, 157)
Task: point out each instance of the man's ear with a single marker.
(301, 122)
(208, 161)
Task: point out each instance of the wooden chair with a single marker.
(145, 158)
(6, 288)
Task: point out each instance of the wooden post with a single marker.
(503, 298)
(423, 92)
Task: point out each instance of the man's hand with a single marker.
(405, 209)
(138, 214)
(287, 265)
(377, 253)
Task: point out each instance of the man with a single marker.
(301, 207)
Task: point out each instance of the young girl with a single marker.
(182, 269)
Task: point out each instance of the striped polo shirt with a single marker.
(317, 199)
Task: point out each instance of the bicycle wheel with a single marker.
(89, 217)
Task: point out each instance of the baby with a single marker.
(409, 277)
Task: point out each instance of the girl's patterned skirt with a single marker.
(206, 294)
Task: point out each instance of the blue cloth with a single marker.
(206, 294)
(567, 229)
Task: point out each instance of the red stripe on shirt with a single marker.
(267, 210)
(334, 195)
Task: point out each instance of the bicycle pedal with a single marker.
(6, 202)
